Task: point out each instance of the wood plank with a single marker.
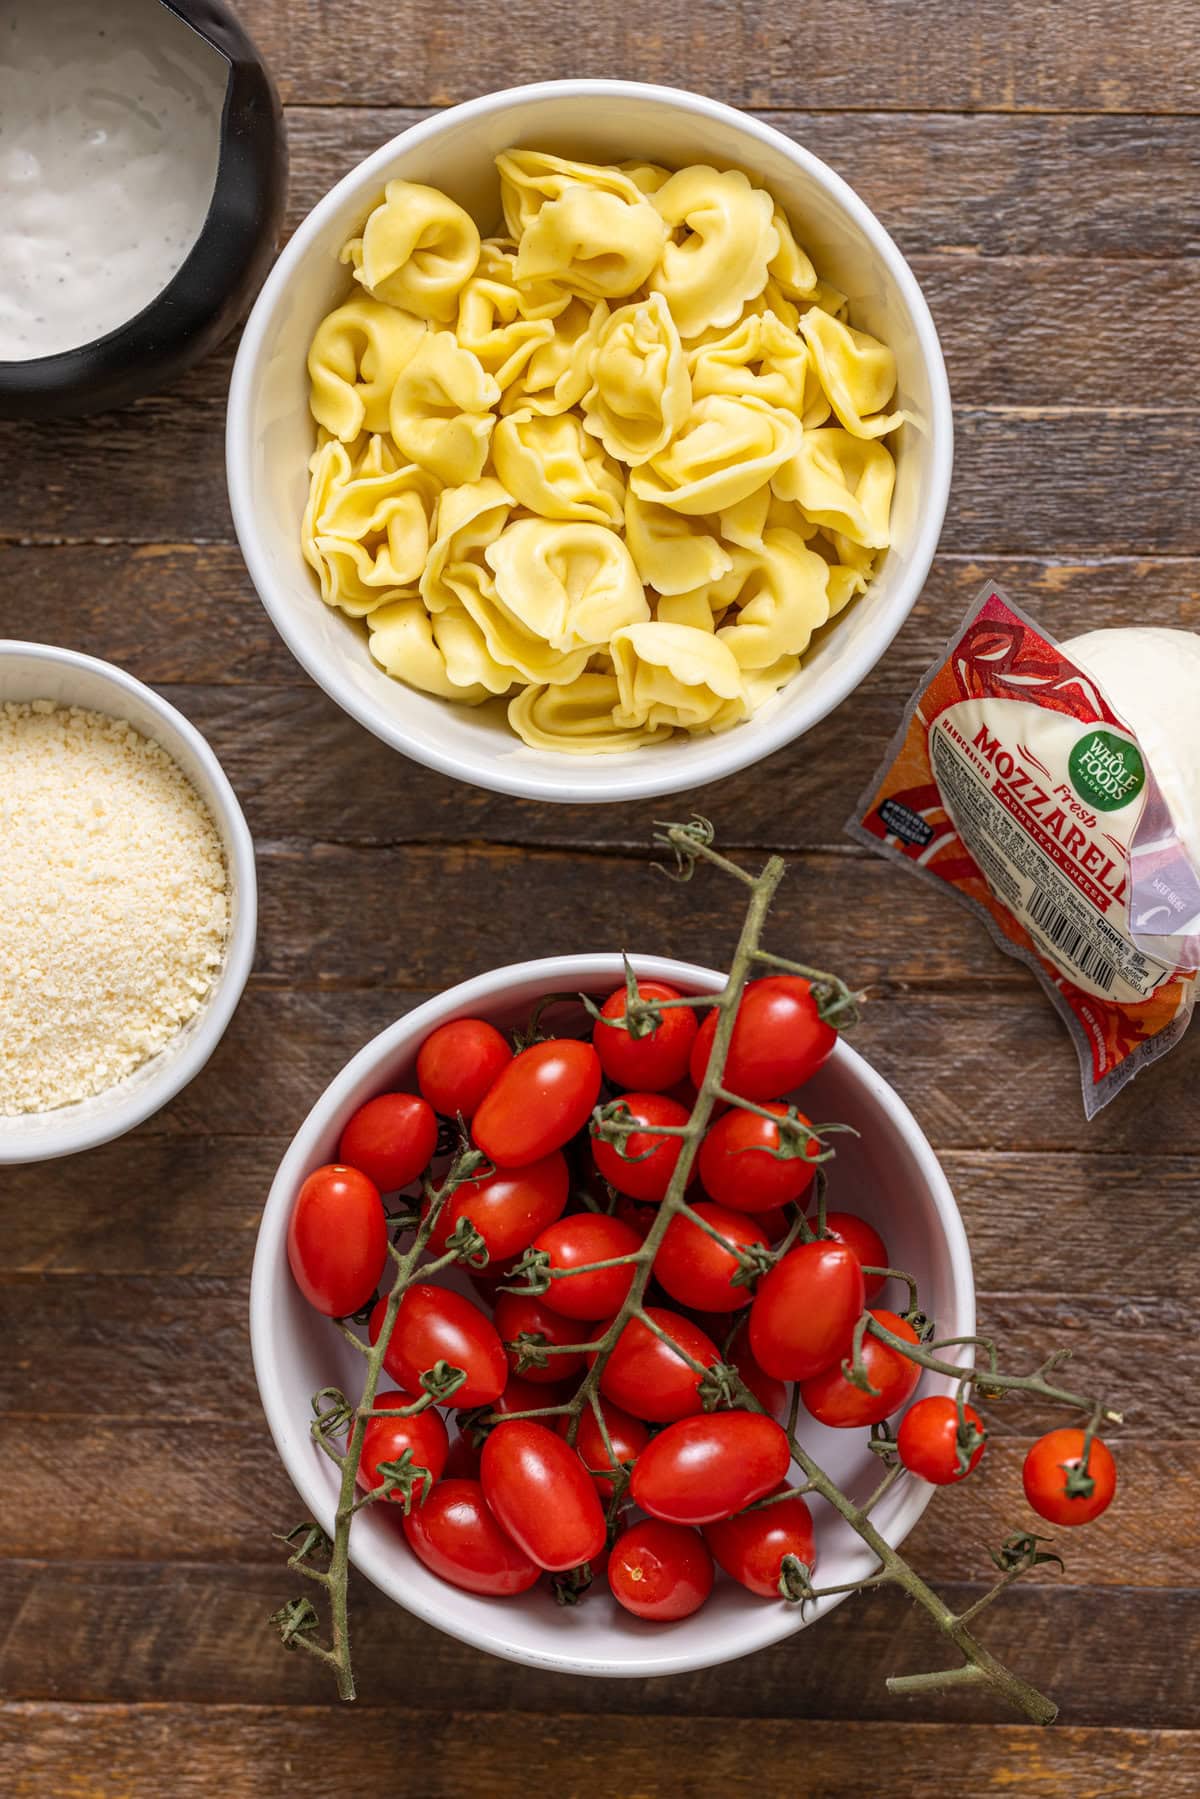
(163, 1633)
(1010, 57)
(987, 185)
(242, 1751)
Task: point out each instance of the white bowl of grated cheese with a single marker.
(128, 902)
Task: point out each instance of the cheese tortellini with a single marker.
(613, 465)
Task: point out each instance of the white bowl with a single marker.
(40, 671)
(270, 430)
(888, 1173)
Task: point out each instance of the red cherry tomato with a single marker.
(542, 1494)
(538, 1102)
(627, 1435)
(636, 1214)
(457, 1064)
(708, 1467)
(522, 1395)
(660, 1571)
(770, 1393)
(576, 1241)
(779, 1040)
(927, 1440)
(507, 1208)
(643, 1375)
(805, 1310)
(1049, 1463)
(462, 1459)
(751, 1547)
(337, 1240)
(643, 1165)
(698, 1271)
(458, 1538)
(436, 1325)
(774, 1224)
(386, 1439)
(739, 1169)
(833, 1400)
(865, 1241)
(516, 1314)
(654, 1062)
(391, 1139)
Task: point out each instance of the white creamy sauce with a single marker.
(110, 120)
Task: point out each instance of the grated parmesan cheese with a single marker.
(114, 903)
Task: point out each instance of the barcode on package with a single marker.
(1060, 929)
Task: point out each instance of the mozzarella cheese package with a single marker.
(1055, 788)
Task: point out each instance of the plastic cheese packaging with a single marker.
(1055, 788)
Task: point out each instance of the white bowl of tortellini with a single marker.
(589, 441)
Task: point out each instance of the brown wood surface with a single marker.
(1039, 166)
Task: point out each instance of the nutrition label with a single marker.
(1065, 925)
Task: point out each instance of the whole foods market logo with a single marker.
(1107, 771)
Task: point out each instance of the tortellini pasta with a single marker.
(611, 466)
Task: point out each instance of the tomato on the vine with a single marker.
(745, 1166)
(507, 1208)
(834, 1400)
(1055, 1466)
(642, 1164)
(577, 1241)
(656, 1061)
(458, 1538)
(660, 1571)
(770, 1393)
(386, 1439)
(391, 1139)
(751, 1546)
(462, 1459)
(520, 1313)
(628, 1436)
(928, 1440)
(805, 1310)
(636, 1213)
(779, 1040)
(865, 1241)
(434, 1325)
(537, 1102)
(699, 1469)
(337, 1239)
(696, 1270)
(542, 1494)
(645, 1376)
(457, 1064)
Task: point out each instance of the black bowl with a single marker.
(208, 295)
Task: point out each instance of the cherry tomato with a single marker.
(458, 1538)
(805, 1310)
(751, 1546)
(698, 1271)
(386, 1439)
(865, 1241)
(434, 1325)
(457, 1064)
(927, 1440)
(538, 1102)
(779, 1040)
(516, 1314)
(774, 1224)
(636, 1214)
(337, 1240)
(739, 1169)
(770, 1393)
(583, 1238)
(462, 1459)
(832, 1399)
(542, 1494)
(643, 1165)
(643, 1375)
(507, 1208)
(708, 1467)
(654, 1062)
(1047, 1466)
(523, 1395)
(660, 1571)
(627, 1435)
(391, 1139)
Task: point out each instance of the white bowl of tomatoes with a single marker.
(515, 1506)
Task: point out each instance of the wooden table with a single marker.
(1039, 166)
